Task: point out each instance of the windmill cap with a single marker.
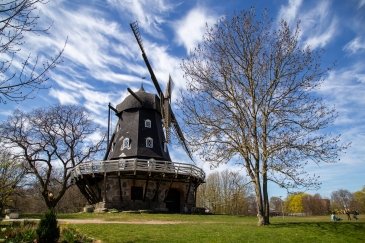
(148, 101)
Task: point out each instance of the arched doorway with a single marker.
(173, 200)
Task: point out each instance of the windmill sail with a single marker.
(166, 110)
(137, 35)
(180, 136)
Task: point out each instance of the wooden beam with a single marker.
(172, 180)
(105, 185)
(145, 188)
(120, 188)
(155, 196)
(187, 193)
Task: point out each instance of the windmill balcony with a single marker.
(135, 166)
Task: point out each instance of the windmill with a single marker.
(137, 172)
(168, 115)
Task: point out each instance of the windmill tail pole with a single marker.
(109, 141)
(108, 124)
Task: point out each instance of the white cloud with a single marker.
(190, 29)
(94, 42)
(319, 26)
(317, 23)
(289, 13)
(345, 89)
(64, 97)
(355, 45)
(361, 3)
(322, 35)
(150, 14)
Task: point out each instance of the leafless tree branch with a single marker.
(251, 93)
(52, 141)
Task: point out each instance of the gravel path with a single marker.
(101, 221)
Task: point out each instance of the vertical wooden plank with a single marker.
(120, 188)
(105, 185)
(145, 188)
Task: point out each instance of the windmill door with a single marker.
(173, 200)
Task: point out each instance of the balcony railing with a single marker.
(135, 165)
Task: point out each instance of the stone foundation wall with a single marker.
(152, 195)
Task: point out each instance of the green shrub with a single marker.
(48, 230)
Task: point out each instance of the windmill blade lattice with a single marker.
(167, 113)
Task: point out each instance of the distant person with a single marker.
(355, 214)
(348, 213)
(334, 218)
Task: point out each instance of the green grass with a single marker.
(218, 228)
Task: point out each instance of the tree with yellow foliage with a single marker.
(294, 203)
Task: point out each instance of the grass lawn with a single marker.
(217, 228)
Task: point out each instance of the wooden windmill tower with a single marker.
(137, 172)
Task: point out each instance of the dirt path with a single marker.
(101, 221)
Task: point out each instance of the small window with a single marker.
(126, 144)
(112, 147)
(149, 143)
(147, 123)
(118, 127)
(137, 193)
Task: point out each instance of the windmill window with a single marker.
(126, 143)
(147, 123)
(149, 142)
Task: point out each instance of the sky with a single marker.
(101, 59)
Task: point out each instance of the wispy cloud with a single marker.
(361, 3)
(95, 43)
(190, 29)
(355, 45)
(290, 11)
(64, 97)
(149, 13)
(318, 25)
(345, 89)
(322, 35)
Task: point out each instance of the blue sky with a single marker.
(102, 59)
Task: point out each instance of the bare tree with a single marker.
(52, 141)
(11, 174)
(359, 200)
(315, 205)
(276, 204)
(341, 200)
(18, 17)
(225, 192)
(251, 99)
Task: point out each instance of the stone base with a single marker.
(100, 207)
(12, 216)
(134, 194)
(89, 209)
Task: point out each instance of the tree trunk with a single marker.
(266, 199)
(259, 202)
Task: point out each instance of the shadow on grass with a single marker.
(335, 227)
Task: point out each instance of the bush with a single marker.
(48, 230)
